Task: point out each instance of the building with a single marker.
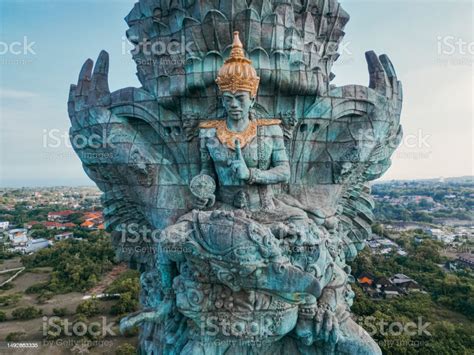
(405, 283)
(391, 292)
(466, 260)
(93, 220)
(4, 225)
(382, 282)
(30, 224)
(60, 216)
(93, 215)
(18, 237)
(373, 244)
(33, 245)
(63, 236)
(365, 279)
(54, 225)
(88, 225)
(410, 286)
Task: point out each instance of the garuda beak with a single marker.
(285, 279)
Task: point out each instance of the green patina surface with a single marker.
(251, 256)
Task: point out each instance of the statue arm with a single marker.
(279, 171)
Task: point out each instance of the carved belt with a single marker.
(252, 197)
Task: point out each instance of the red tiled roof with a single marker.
(61, 213)
(365, 280)
(32, 223)
(52, 224)
(87, 224)
(92, 215)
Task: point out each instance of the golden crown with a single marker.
(237, 73)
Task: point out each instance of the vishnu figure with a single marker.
(245, 155)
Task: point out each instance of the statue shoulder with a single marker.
(207, 132)
(207, 129)
(271, 126)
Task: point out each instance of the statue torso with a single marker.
(257, 154)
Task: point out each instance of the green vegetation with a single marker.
(448, 304)
(9, 300)
(7, 286)
(128, 286)
(125, 349)
(77, 265)
(55, 329)
(60, 328)
(36, 288)
(88, 308)
(15, 336)
(60, 312)
(454, 291)
(446, 332)
(5, 254)
(22, 214)
(23, 313)
(387, 211)
(435, 200)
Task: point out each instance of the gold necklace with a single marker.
(228, 137)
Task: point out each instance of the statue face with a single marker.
(238, 104)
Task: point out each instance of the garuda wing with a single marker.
(344, 141)
(131, 156)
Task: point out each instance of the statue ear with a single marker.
(252, 101)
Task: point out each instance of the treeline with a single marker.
(446, 332)
(436, 190)
(448, 303)
(452, 290)
(386, 211)
(464, 192)
(77, 265)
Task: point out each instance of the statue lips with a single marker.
(235, 112)
(285, 278)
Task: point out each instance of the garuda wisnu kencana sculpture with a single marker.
(236, 179)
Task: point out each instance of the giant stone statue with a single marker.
(236, 179)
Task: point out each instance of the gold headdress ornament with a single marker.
(237, 73)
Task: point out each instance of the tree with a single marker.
(24, 313)
(89, 308)
(126, 349)
(60, 312)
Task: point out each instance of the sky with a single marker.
(43, 45)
